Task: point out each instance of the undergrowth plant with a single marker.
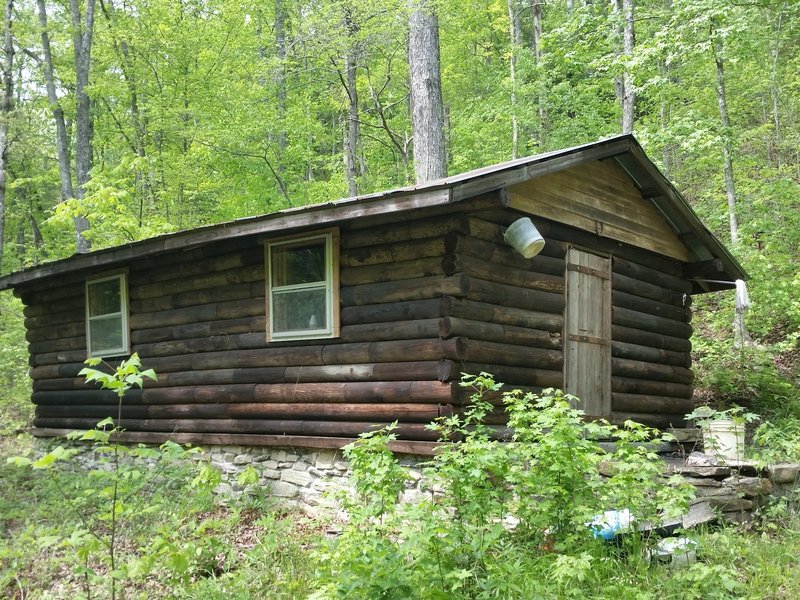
(131, 498)
(500, 518)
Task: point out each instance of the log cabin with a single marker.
(308, 326)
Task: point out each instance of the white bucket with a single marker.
(523, 236)
(724, 439)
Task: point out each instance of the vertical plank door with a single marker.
(587, 329)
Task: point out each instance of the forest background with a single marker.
(123, 119)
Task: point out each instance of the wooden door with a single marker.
(587, 328)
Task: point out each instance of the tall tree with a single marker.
(430, 153)
(82, 41)
(628, 90)
(6, 106)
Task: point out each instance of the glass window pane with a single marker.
(106, 334)
(299, 310)
(303, 263)
(104, 297)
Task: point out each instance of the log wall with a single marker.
(422, 300)
(651, 316)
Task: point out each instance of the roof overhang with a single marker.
(712, 259)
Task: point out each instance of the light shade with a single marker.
(523, 236)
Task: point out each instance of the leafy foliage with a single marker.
(527, 500)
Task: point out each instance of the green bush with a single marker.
(500, 519)
(16, 409)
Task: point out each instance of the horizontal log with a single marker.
(651, 275)
(222, 255)
(60, 344)
(393, 311)
(657, 421)
(393, 252)
(371, 234)
(394, 351)
(507, 295)
(644, 289)
(628, 385)
(59, 357)
(43, 334)
(207, 344)
(225, 293)
(98, 412)
(406, 413)
(648, 354)
(521, 356)
(409, 413)
(416, 431)
(520, 317)
(489, 271)
(410, 269)
(204, 279)
(633, 403)
(647, 322)
(234, 439)
(397, 330)
(37, 294)
(409, 446)
(623, 367)
(495, 332)
(39, 308)
(202, 329)
(648, 338)
(516, 376)
(650, 306)
(505, 255)
(407, 289)
(464, 394)
(56, 318)
(87, 396)
(435, 370)
(490, 231)
(415, 392)
(236, 309)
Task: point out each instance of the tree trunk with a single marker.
(84, 126)
(628, 90)
(5, 114)
(730, 189)
(280, 82)
(773, 88)
(430, 156)
(62, 148)
(537, 12)
(514, 42)
(353, 166)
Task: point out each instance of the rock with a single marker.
(731, 504)
(325, 459)
(699, 459)
(784, 472)
(750, 487)
(300, 478)
(711, 472)
(242, 459)
(284, 489)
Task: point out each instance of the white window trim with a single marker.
(331, 287)
(123, 295)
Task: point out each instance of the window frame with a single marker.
(125, 348)
(331, 286)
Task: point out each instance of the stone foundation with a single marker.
(308, 478)
(735, 490)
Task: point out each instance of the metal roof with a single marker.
(711, 257)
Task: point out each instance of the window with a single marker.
(302, 288)
(107, 316)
